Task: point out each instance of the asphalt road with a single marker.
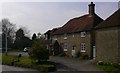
(71, 64)
(13, 68)
(25, 54)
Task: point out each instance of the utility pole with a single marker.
(6, 43)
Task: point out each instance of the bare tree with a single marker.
(8, 31)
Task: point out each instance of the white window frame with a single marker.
(83, 34)
(83, 46)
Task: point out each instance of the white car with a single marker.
(26, 49)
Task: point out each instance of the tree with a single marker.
(39, 51)
(26, 31)
(21, 40)
(34, 37)
(8, 30)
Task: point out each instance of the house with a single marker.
(77, 35)
(108, 39)
(54, 47)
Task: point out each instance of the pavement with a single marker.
(13, 68)
(25, 54)
(71, 64)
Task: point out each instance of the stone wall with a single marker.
(76, 40)
(107, 44)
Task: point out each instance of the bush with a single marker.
(109, 67)
(78, 54)
(39, 52)
(85, 56)
(100, 63)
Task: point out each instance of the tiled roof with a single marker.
(83, 23)
(112, 21)
(50, 32)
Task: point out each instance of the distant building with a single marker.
(108, 39)
(78, 34)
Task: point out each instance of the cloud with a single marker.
(42, 16)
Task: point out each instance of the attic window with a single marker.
(83, 34)
(65, 36)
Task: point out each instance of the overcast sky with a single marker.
(42, 16)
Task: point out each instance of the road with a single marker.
(12, 68)
(71, 64)
(25, 54)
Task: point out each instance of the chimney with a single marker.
(91, 8)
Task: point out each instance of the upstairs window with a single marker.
(83, 47)
(83, 34)
(65, 36)
(55, 37)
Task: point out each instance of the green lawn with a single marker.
(26, 62)
(110, 68)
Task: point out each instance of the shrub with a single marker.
(100, 63)
(39, 52)
(85, 56)
(78, 54)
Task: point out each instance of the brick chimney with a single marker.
(91, 8)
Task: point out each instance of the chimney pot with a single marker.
(91, 8)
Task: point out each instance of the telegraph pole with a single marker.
(6, 43)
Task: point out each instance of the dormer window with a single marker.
(65, 36)
(83, 34)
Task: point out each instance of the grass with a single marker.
(27, 63)
(110, 68)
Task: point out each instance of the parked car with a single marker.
(26, 49)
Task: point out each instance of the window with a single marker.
(55, 37)
(83, 47)
(65, 36)
(83, 34)
(65, 46)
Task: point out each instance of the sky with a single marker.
(43, 16)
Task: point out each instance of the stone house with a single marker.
(108, 39)
(78, 33)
